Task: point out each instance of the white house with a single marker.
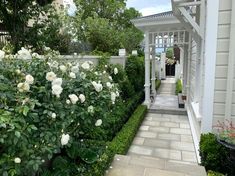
(205, 32)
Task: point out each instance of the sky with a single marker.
(149, 7)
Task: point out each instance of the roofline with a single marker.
(158, 15)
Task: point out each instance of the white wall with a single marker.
(223, 39)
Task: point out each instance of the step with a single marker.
(147, 166)
(172, 111)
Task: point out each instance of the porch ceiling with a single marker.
(165, 21)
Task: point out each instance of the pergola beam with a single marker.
(184, 4)
(190, 20)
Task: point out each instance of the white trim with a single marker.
(147, 71)
(210, 64)
(197, 3)
(190, 19)
(230, 76)
(194, 134)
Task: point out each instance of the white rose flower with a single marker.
(17, 160)
(57, 90)
(50, 76)
(72, 75)
(37, 56)
(63, 68)
(109, 85)
(115, 71)
(24, 54)
(57, 81)
(73, 98)
(75, 54)
(117, 94)
(98, 86)
(83, 75)
(2, 55)
(106, 66)
(75, 69)
(53, 115)
(98, 122)
(47, 48)
(23, 87)
(110, 77)
(113, 97)
(29, 79)
(65, 139)
(68, 101)
(18, 71)
(104, 72)
(96, 73)
(85, 66)
(82, 98)
(90, 109)
(55, 64)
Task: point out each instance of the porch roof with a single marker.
(165, 21)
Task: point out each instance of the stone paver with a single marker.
(141, 150)
(165, 136)
(163, 145)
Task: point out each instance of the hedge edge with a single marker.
(121, 142)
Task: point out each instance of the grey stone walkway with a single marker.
(163, 145)
(165, 136)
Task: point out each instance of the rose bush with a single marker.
(47, 106)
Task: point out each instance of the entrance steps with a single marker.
(147, 166)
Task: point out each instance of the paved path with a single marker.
(166, 98)
(163, 145)
(165, 136)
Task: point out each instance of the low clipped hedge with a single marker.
(157, 84)
(178, 87)
(120, 144)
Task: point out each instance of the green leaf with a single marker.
(73, 151)
(88, 156)
(25, 110)
(35, 167)
(17, 134)
(60, 163)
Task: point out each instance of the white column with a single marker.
(147, 71)
(181, 62)
(163, 65)
(210, 62)
(153, 88)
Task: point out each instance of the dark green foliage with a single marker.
(135, 72)
(157, 83)
(213, 154)
(125, 84)
(178, 87)
(119, 144)
(212, 173)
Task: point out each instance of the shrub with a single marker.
(178, 88)
(125, 85)
(213, 155)
(212, 173)
(42, 117)
(120, 144)
(135, 72)
(157, 83)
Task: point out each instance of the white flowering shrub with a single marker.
(46, 106)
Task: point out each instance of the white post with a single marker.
(153, 88)
(147, 71)
(159, 69)
(163, 65)
(177, 71)
(210, 62)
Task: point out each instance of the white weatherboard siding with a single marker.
(222, 55)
